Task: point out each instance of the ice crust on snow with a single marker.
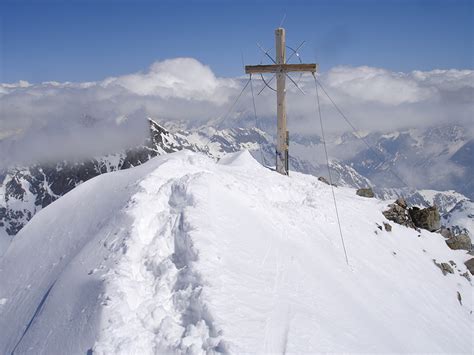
(182, 254)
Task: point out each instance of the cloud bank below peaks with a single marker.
(52, 120)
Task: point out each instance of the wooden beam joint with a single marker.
(280, 68)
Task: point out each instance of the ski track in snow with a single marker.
(182, 255)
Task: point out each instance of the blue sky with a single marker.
(85, 40)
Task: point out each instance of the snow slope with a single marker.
(182, 254)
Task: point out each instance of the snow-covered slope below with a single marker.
(183, 254)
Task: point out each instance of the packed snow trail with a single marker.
(185, 255)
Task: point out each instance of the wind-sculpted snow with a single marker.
(185, 255)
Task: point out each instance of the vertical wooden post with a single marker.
(280, 68)
(282, 142)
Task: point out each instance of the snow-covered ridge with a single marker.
(183, 254)
(26, 190)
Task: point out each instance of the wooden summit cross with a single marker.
(281, 68)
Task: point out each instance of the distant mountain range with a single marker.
(442, 156)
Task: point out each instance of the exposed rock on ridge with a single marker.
(426, 218)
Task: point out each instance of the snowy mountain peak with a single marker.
(186, 255)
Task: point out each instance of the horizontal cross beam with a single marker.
(280, 68)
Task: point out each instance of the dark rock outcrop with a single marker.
(399, 215)
(426, 218)
(470, 265)
(461, 241)
(446, 232)
(401, 202)
(323, 179)
(444, 267)
(466, 275)
(365, 192)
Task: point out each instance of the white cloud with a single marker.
(451, 79)
(378, 85)
(44, 121)
(182, 78)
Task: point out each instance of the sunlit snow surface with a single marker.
(183, 254)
